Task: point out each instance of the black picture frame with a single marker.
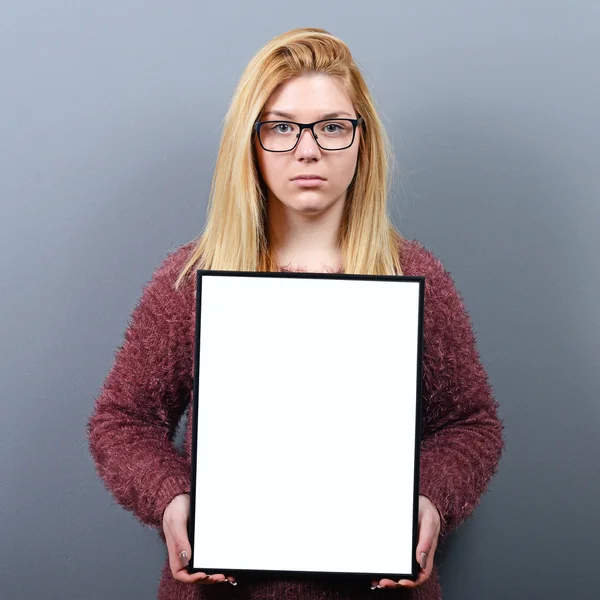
(194, 415)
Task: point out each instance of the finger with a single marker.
(179, 556)
(426, 569)
(428, 534)
(428, 540)
(186, 577)
(383, 583)
(200, 578)
(426, 560)
(178, 544)
(407, 583)
(213, 579)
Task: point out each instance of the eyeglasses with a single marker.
(330, 134)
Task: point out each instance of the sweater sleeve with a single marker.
(461, 433)
(136, 414)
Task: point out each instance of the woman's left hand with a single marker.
(429, 531)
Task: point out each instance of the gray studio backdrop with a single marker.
(110, 115)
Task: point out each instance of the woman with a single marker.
(300, 183)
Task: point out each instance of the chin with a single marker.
(309, 203)
(309, 208)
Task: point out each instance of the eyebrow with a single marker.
(285, 115)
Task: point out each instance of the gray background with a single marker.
(110, 120)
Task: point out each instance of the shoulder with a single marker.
(418, 260)
(172, 264)
(160, 295)
(444, 304)
(166, 273)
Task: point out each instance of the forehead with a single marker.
(309, 96)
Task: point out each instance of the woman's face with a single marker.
(306, 99)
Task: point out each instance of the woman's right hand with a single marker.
(175, 519)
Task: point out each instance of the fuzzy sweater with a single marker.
(149, 386)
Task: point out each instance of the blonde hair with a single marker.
(235, 236)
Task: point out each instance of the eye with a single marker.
(281, 128)
(334, 128)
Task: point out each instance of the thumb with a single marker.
(176, 535)
(181, 544)
(427, 544)
(184, 558)
(180, 550)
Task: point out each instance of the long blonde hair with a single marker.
(235, 236)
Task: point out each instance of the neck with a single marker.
(305, 241)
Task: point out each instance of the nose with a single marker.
(307, 146)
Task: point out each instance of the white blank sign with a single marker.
(306, 423)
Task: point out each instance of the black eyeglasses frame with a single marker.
(355, 123)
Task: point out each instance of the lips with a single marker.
(309, 177)
(308, 182)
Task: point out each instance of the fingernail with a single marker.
(232, 582)
(184, 558)
(423, 562)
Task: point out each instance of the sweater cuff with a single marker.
(432, 488)
(171, 486)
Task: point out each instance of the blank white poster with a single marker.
(306, 424)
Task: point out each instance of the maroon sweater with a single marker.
(149, 387)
